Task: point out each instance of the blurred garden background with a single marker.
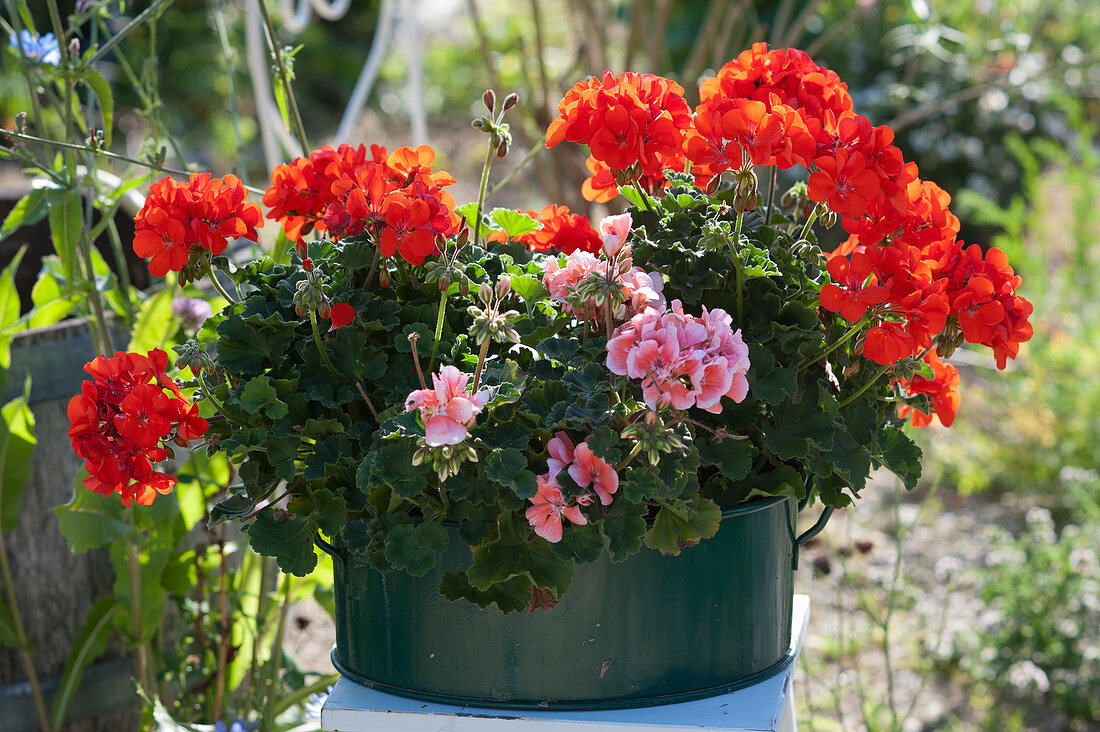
(970, 603)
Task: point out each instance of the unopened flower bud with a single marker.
(490, 100)
(828, 218)
(712, 185)
(510, 101)
(384, 277)
(307, 264)
(504, 285)
(485, 293)
(20, 122)
(74, 47)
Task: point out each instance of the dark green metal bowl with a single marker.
(651, 630)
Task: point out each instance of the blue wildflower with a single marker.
(238, 725)
(315, 702)
(36, 49)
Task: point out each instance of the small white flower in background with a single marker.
(1025, 674)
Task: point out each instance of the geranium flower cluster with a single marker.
(640, 289)
(122, 421)
(903, 257)
(600, 186)
(682, 360)
(559, 229)
(631, 122)
(398, 198)
(447, 410)
(203, 213)
(588, 471)
(942, 389)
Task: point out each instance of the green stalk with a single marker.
(117, 37)
(810, 222)
(481, 362)
(438, 329)
(141, 651)
(272, 675)
(209, 394)
(481, 190)
(740, 273)
(771, 194)
(538, 147)
(21, 640)
(317, 340)
(217, 285)
(856, 327)
(123, 270)
(280, 64)
(865, 387)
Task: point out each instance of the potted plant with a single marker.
(572, 454)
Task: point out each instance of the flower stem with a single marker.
(276, 661)
(217, 285)
(226, 636)
(810, 222)
(856, 327)
(772, 178)
(739, 271)
(280, 64)
(209, 394)
(865, 387)
(480, 362)
(21, 640)
(438, 333)
(317, 340)
(626, 461)
(141, 655)
(481, 192)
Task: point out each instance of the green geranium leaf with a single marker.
(683, 523)
(236, 506)
(733, 458)
(245, 347)
(623, 528)
(583, 544)
(415, 548)
(259, 395)
(514, 223)
(559, 349)
(901, 456)
(393, 465)
(17, 442)
(91, 520)
(329, 510)
(510, 596)
(798, 426)
(768, 381)
(508, 467)
(510, 555)
(289, 541)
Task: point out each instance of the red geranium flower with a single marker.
(122, 421)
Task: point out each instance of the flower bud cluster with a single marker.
(490, 320)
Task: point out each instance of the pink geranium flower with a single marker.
(613, 231)
(447, 410)
(640, 288)
(682, 360)
(548, 509)
(589, 470)
(560, 448)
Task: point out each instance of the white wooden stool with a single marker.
(767, 705)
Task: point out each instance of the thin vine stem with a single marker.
(276, 660)
(21, 639)
(291, 101)
(100, 151)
